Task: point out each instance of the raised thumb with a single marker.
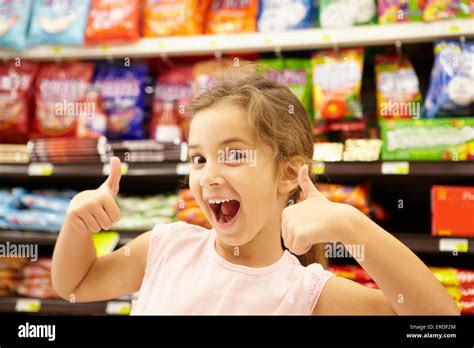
(307, 186)
(113, 181)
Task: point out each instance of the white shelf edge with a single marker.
(368, 35)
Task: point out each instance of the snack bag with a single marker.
(60, 92)
(14, 20)
(337, 79)
(173, 90)
(173, 17)
(357, 196)
(110, 21)
(15, 84)
(398, 91)
(346, 13)
(122, 90)
(58, 22)
(226, 17)
(435, 10)
(278, 15)
(93, 122)
(400, 11)
(204, 73)
(451, 90)
(273, 68)
(297, 76)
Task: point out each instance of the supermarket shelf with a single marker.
(331, 169)
(369, 35)
(417, 242)
(59, 306)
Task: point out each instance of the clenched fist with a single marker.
(96, 210)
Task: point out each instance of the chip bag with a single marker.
(346, 13)
(58, 22)
(60, 93)
(451, 90)
(113, 21)
(278, 15)
(398, 92)
(435, 10)
(225, 17)
(175, 17)
(14, 20)
(15, 84)
(337, 78)
(399, 11)
(122, 90)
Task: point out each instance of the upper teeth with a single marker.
(218, 201)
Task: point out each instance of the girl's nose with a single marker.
(211, 175)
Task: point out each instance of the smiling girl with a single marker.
(250, 146)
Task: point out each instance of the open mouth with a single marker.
(224, 210)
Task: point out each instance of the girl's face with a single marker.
(232, 178)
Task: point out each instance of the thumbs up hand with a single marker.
(96, 210)
(313, 220)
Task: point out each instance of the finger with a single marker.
(92, 224)
(78, 224)
(307, 186)
(112, 183)
(300, 246)
(102, 218)
(112, 210)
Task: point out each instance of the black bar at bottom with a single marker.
(415, 330)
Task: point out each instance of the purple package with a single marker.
(394, 11)
(122, 91)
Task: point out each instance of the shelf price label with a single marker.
(318, 168)
(30, 305)
(118, 308)
(56, 50)
(40, 169)
(396, 168)
(123, 167)
(459, 245)
(183, 168)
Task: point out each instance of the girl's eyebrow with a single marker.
(224, 142)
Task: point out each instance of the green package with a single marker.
(396, 11)
(441, 139)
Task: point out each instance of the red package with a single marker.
(15, 83)
(452, 211)
(113, 21)
(237, 16)
(354, 273)
(173, 93)
(59, 94)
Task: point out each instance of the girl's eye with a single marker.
(235, 156)
(197, 159)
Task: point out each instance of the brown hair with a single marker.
(276, 115)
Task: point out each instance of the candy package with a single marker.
(447, 139)
(399, 11)
(111, 21)
(35, 220)
(14, 21)
(60, 93)
(278, 15)
(15, 86)
(179, 17)
(58, 22)
(451, 90)
(92, 123)
(337, 79)
(122, 90)
(41, 202)
(435, 10)
(237, 16)
(357, 196)
(398, 91)
(174, 90)
(346, 13)
(189, 210)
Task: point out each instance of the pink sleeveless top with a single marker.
(185, 275)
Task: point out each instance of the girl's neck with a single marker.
(263, 250)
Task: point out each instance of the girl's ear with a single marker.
(288, 174)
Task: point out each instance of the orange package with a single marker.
(111, 21)
(232, 16)
(173, 17)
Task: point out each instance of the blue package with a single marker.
(39, 202)
(279, 15)
(58, 22)
(451, 90)
(123, 92)
(14, 21)
(32, 220)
